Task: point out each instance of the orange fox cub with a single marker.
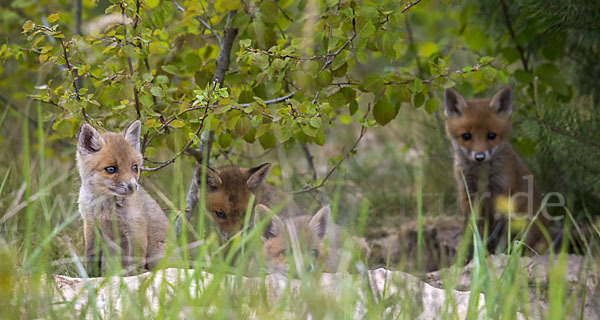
(495, 176)
(109, 166)
(228, 193)
(305, 241)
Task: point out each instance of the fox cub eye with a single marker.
(491, 136)
(134, 168)
(466, 136)
(221, 215)
(111, 169)
(314, 253)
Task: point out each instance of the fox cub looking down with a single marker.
(228, 193)
(307, 242)
(495, 176)
(109, 166)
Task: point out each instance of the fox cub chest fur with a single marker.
(228, 192)
(494, 175)
(114, 205)
(306, 242)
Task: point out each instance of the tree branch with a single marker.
(73, 74)
(363, 130)
(273, 101)
(225, 45)
(187, 146)
(513, 36)
(410, 5)
(208, 27)
(337, 52)
(129, 62)
(224, 52)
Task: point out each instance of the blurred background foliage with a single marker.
(303, 80)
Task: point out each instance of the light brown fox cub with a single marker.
(494, 173)
(306, 241)
(109, 166)
(228, 193)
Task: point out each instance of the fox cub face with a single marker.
(298, 240)
(478, 128)
(110, 163)
(228, 193)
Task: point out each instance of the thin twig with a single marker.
(513, 36)
(363, 130)
(225, 45)
(337, 52)
(185, 148)
(73, 74)
(273, 101)
(129, 62)
(15, 107)
(309, 161)
(224, 52)
(410, 5)
(206, 25)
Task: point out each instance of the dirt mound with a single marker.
(441, 237)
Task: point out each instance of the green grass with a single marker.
(43, 240)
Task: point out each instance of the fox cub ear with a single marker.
(454, 103)
(501, 102)
(132, 134)
(320, 222)
(213, 181)
(257, 175)
(275, 225)
(90, 140)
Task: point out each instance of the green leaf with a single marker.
(523, 76)
(489, 73)
(372, 83)
(269, 11)
(418, 99)
(225, 140)
(28, 25)
(431, 105)
(367, 30)
(427, 49)
(157, 91)
(242, 126)
(53, 17)
(170, 69)
(324, 78)
(162, 79)
(475, 39)
(353, 107)
(384, 111)
(415, 86)
(177, 123)
(152, 3)
(267, 140)
(146, 100)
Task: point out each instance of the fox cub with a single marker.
(495, 175)
(109, 166)
(228, 193)
(306, 241)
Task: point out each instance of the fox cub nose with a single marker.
(480, 156)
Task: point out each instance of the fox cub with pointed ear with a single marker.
(109, 166)
(494, 174)
(228, 193)
(306, 242)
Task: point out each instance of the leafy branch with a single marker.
(352, 151)
(129, 62)
(513, 35)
